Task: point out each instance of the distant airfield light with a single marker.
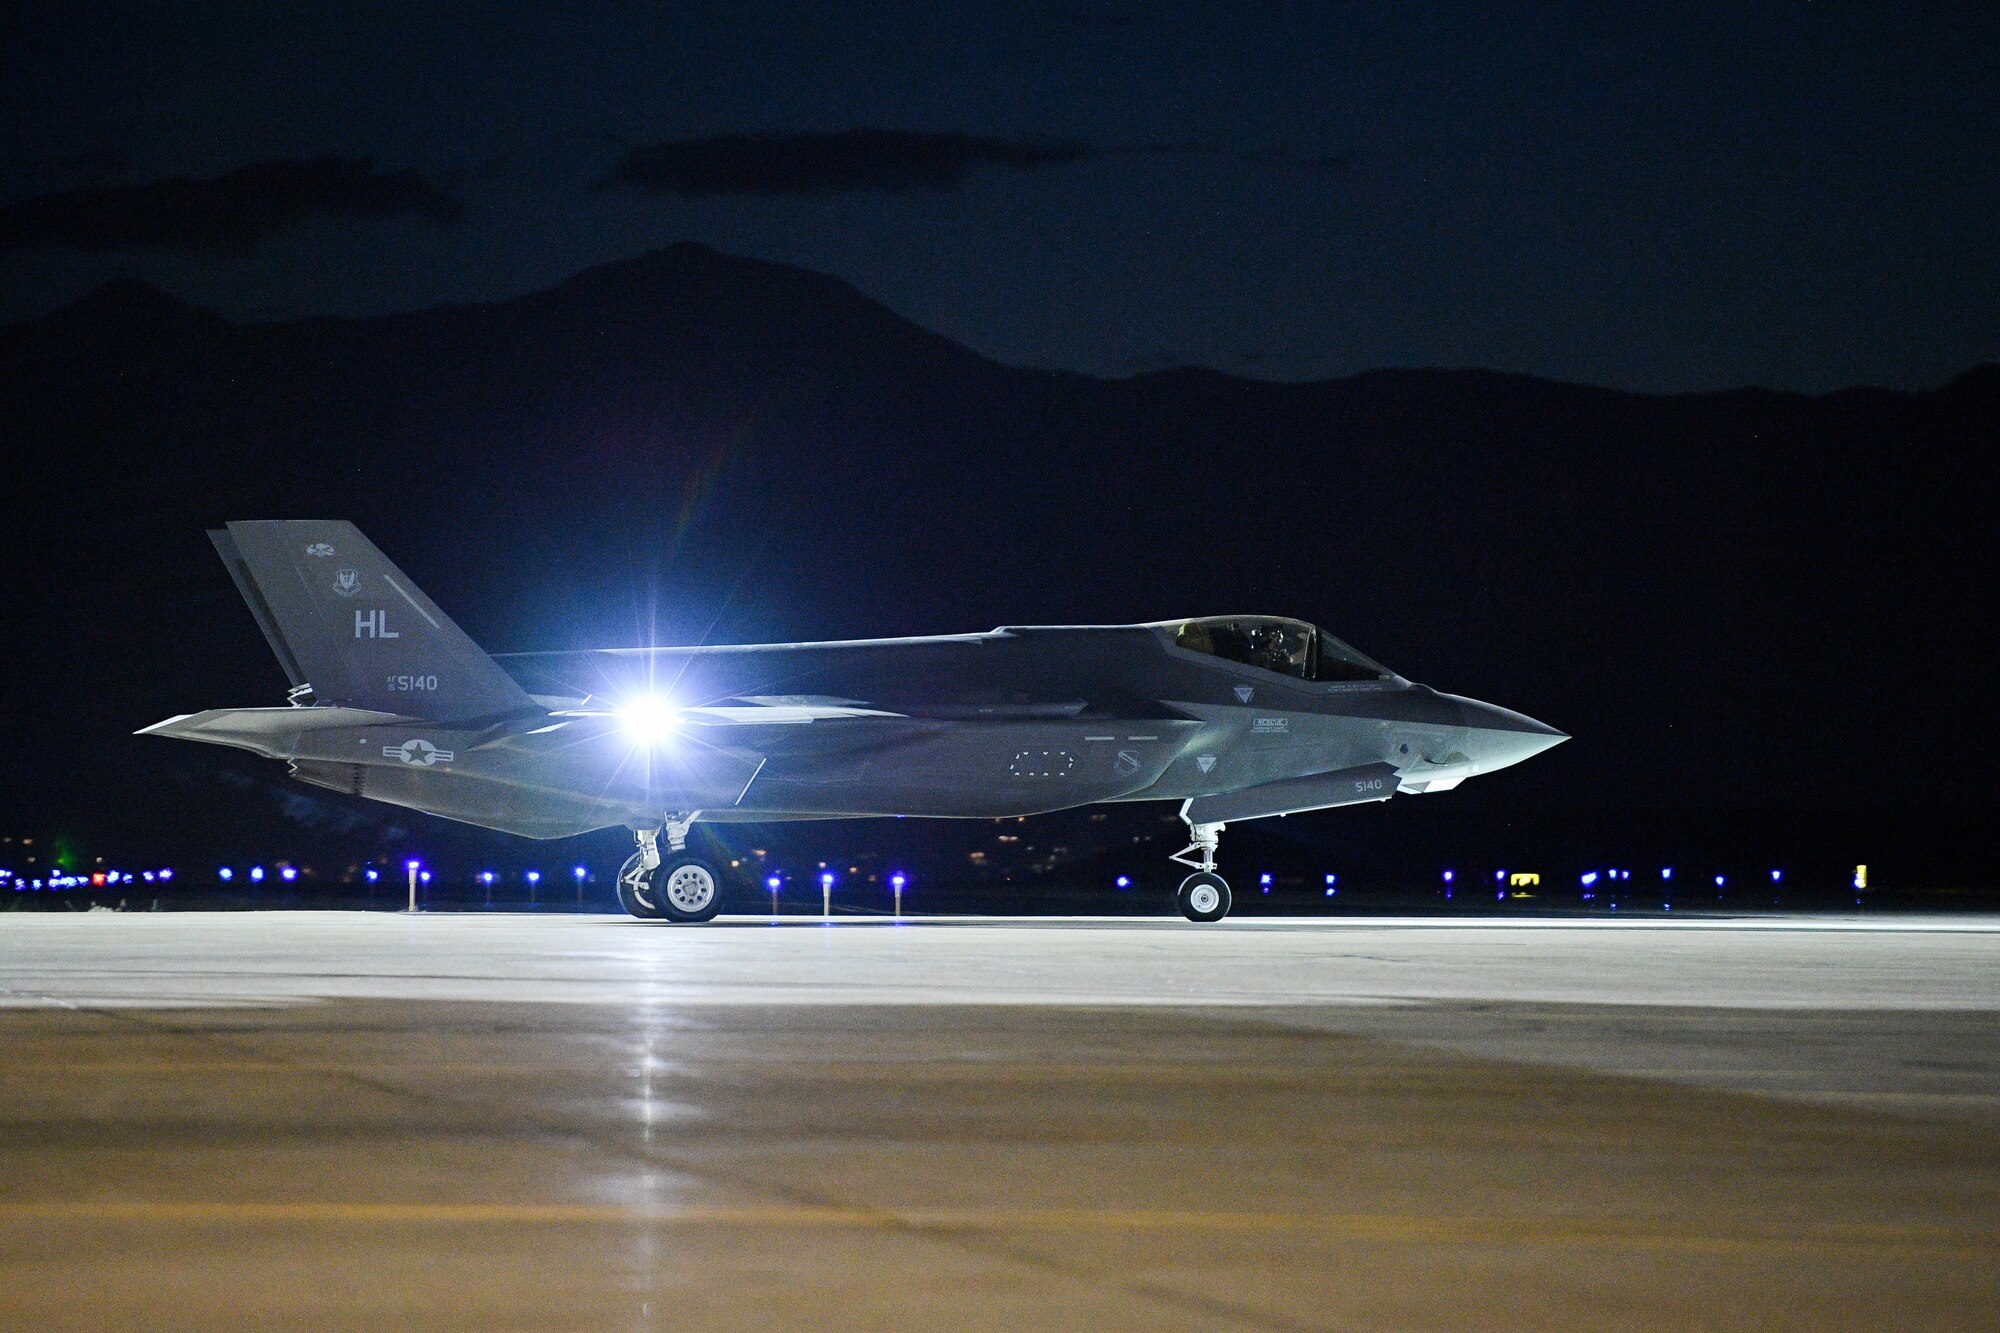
(411, 864)
(1777, 876)
(772, 883)
(1448, 875)
(1861, 877)
(1124, 881)
(146, 875)
(166, 872)
(372, 873)
(225, 874)
(289, 873)
(649, 720)
(485, 877)
(897, 881)
(257, 874)
(579, 872)
(1500, 877)
(1719, 881)
(1589, 878)
(826, 880)
(1666, 872)
(534, 877)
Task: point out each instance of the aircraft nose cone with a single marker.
(1504, 737)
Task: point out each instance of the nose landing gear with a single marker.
(1204, 895)
(678, 887)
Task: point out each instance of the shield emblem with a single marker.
(347, 582)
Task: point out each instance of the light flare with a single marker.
(649, 720)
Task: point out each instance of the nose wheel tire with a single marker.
(681, 888)
(1203, 897)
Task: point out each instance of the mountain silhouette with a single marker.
(1737, 600)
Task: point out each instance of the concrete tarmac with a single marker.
(348, 1121)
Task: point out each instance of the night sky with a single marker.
(638, 353)
(1660, 197)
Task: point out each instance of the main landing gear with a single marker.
(1204, 895)
(679, 887)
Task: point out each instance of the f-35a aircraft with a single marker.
(1234, 717)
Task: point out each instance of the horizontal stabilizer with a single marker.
(271, 732)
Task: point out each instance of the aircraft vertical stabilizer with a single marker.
(344, 620)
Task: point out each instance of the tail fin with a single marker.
(349, 624)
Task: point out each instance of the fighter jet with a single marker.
(1232, 717)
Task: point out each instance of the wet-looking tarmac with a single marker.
(344, 1121)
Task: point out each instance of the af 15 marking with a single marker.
(1016, 721)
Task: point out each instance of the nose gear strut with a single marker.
(1204, 895)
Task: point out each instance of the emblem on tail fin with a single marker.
(320, 549)
(347, 582)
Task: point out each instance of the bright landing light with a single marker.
(649, 719)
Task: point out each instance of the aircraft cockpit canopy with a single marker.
(1289, 647)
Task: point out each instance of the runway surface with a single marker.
(351, 1121)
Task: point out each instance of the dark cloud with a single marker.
(231, 212)
(843, 162)
(860, 160)
(1323, 164)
